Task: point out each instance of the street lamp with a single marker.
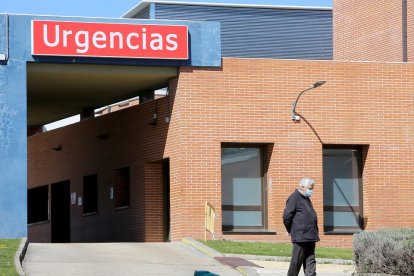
(295, 117)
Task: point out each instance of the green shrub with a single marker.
(389, 251)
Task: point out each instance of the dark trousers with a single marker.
(303, 253)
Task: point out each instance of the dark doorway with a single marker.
(166, 199)
(60, 211)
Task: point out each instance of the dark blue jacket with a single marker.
(300, 218)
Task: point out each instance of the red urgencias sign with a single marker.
(61, 38)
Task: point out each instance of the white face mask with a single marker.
(308, 193)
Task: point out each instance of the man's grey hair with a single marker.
(306, 182)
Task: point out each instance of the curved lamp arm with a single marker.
(294, 104)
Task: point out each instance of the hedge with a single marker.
(389, 251)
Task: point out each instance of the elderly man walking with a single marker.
(301, 223)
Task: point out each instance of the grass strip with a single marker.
(274, 249)
(8, 248)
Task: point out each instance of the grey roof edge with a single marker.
(60, 16)
(144, 3)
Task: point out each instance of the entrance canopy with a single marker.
(57, 91)
(53, 67)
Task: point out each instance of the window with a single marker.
(90, 194)
(342, 189)
(121, 187)
(242, 191)
(37, 204)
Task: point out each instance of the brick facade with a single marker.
(123, 139)
(245, 101)
(369, 30)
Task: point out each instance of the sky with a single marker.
(116, 8)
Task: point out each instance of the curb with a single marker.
(247, 271)
(202, 248)
(19, 256)
(372, 274)
(287, 259)
(259, 257)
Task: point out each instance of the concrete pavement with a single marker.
(111, 259)
(175, 258)
(280, 268)
(271, 265)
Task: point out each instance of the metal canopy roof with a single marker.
(57, 91)
(143, 4)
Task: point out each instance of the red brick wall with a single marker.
(131, 142)
(153, 201)
(249, 101)
(370, 30)
(245, 101)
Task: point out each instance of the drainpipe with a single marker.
(404, 31)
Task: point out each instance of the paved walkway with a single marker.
(112, 259)
(280, 268)
(175, 258)
(270, 265)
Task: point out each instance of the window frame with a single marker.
(227, 229)
(352, 209)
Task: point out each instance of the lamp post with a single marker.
(295, 117)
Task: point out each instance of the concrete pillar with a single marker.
(13, 150)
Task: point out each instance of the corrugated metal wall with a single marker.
(262, 32)
(144, 13)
